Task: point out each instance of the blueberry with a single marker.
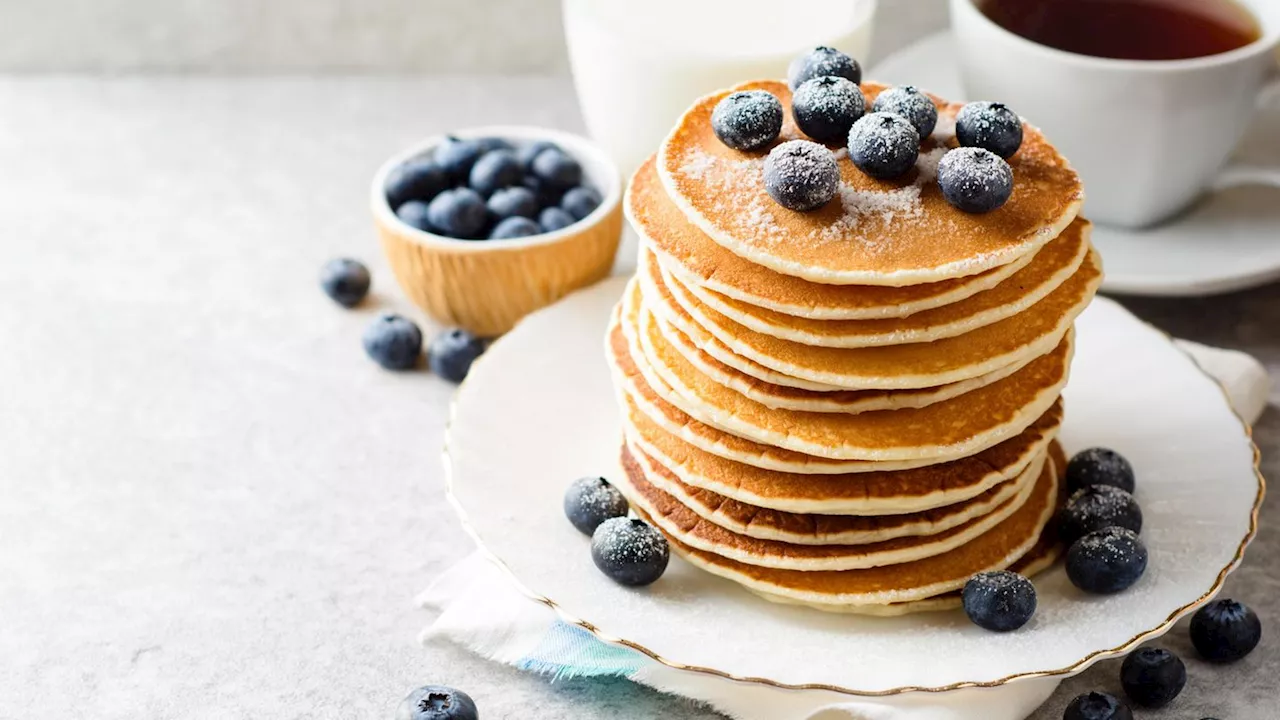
(437, 702)
(418, 179)
(394, 342)
(514, 227)
(458, 213)
(1106, 561)
(629, 551)
(553, 218)
(884, 145)
(452, 352)
(1152, 677)
(557, 169)
(1097, 706)
(1000, 601)
(590, 501)
(826, 107)
(528, 152)
(801, 175)
(823, 61)
(1097, 507)
(580, 202)
(747, 121)
(975, 180)
(344, 280)
(516, 201)
(911, 104)
(990, 126)
(416, 213)
(1225, 631)
(455, 157)
(546, 194)
(1099, 466)
(490, 144)
(495, 170)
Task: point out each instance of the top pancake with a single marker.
(876, 232)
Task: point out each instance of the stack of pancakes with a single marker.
(853, 408)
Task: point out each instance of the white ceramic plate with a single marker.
(1230, 241)
(538, 411)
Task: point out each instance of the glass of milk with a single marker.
(638, 64)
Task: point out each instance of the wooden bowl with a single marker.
(486, 286)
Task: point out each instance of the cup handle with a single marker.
(1240, 174)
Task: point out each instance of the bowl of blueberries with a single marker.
(484, 226)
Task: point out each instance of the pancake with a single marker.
(1034, 332)
(996, 549)
(1050, 267)
(697, 260)
(877, 232)
(942, 431)
(813, 529)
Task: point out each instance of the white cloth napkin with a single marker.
(481, 609)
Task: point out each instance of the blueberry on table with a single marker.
(456, 157)
(495, 170)
(437, 702)
(516, 201)
(1152, 677)
(884, 145)
(452, 352)
(417, 214)
(749, 120)
(975, 180)
(590, 501)
(556, 169)
(527, 153)
(1225, 631)
(990, 126)
(553, 218)
(393, 341)
(1106, 561)
(629, 551)
(580, 202)
(1096, 507)
(826, 107)
(910, 103)
(1099, 466)
(823, 61)
(514, 227)
(801, 175)
(344, 280)
(418, 179)
(999, 601)
(1097, 706)
(459, 213)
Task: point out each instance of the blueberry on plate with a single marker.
(910, 103)
(629, 551)
(526, 153)
(393, 341)
(459, 213)
(580, 202)
(455, 157)
(826, 107)
(750, 120)
(823, 61)
(1099, 466)
(590, 501)
(417, 214)
(1106, 561)
(514, 227)
(999, 601)
(557, 169)
(344, 280)
(1097, 706)
(801, 175)
(990, 126)
(1096, 507)
(518, 201)
(495, 170)
(1152, 677)
(437, 702)
(1225, 631)
(452, 352)
(975, 180)
(418, 179)
(553, 218)
(884, 145)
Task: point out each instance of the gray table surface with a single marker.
(211, 504)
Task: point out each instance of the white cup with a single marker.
(1147, 136)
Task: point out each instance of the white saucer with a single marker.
(538, 411)
(1230, 241)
